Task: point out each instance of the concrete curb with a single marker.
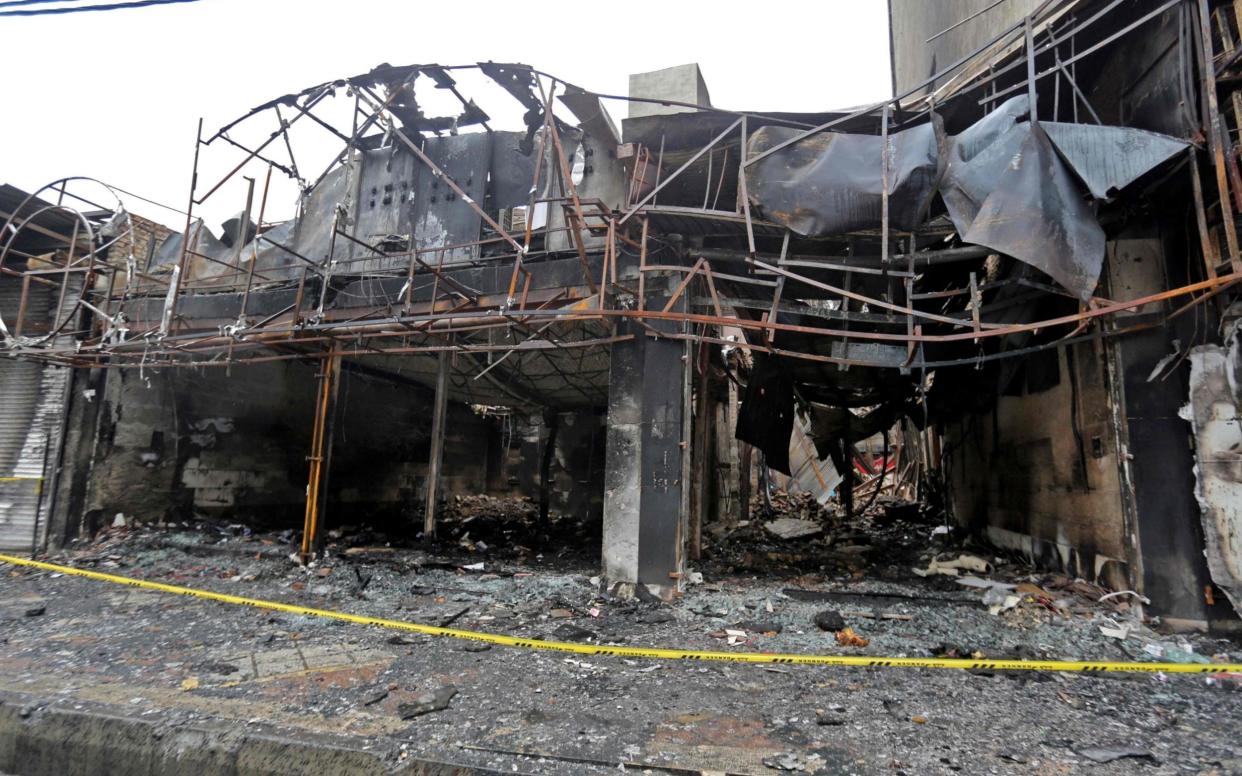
(42, 737)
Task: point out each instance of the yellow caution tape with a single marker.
(862, 661)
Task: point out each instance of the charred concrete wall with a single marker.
(577, 466)
(1038, 473)
(171, 444)
(1082, 463)
(1145, 80)
(177, 442)
(914, 58)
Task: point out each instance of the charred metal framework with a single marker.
(492, 260)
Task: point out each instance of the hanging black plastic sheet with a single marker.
(978, 157)
(1107, 159)
(1017, 188)
(766, 417)
(831, 183)
(1036, 214)
(1020, 189)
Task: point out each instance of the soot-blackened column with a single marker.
(645, 493)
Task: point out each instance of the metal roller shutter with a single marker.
(31, 399)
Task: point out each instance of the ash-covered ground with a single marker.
(845, 587)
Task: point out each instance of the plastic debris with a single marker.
(1172, 653)
(1131, 593)
(1114, 630)
(954, 566)
(851, 638)
(983, 584)
(998, 600)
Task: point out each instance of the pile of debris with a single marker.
(794, 533)
(896, 562)
(464, 508)
(510, 528)
(782, 504)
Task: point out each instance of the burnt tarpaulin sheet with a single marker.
(1006, 188)
(1017, 188)
(1107, 159)
(766, 417)
(1007, 184)
(1037, 214)
(832, 182)
(977, 157)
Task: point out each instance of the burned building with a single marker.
(1020, 269)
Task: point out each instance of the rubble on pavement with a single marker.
(851, 589)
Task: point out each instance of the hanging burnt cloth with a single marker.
(767, 415)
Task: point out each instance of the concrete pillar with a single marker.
(645, 464)
(435, 459)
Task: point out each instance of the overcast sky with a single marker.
(116, 95)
